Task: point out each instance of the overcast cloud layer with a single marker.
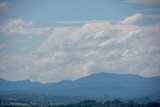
(71, 53)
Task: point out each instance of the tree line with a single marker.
(114, 103)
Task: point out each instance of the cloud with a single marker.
(154, 16)
(153, 13)
(152, 28)
(21, 27)
(132, 19)
(144, 2)
(71, 53)
(2, 46)
(4, 6)
(71, 22)
(78, 21)
(150, 10)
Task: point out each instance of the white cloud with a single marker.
(107, 43)
(21, 27)
(132, 19)
(152, 28)
(4, 6)
(148, 2)
(92, 53)
(94, 47)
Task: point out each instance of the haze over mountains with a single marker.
(96, 85)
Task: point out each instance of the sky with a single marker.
(54, 40)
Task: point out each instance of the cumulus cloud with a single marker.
(71, 53)
(148, 2)
(21, 27)
(4, 6)
(132, 19)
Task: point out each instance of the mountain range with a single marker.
(95, 85)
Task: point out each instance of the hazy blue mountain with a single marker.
(18, 85)
(96, 85)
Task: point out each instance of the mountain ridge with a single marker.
(95, 85)
(100, 73)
